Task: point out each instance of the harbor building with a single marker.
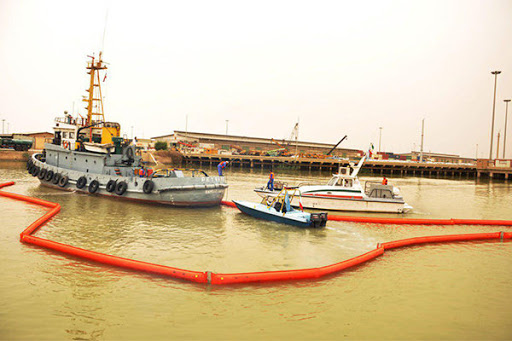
(194, 142)
(438, 157)
(39, 138)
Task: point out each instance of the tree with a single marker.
(161, 145)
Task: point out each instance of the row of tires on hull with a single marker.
(48, 175)
(62, 181)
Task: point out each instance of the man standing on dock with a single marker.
(221, 166)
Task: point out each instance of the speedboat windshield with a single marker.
(333, 181)
(342, 182)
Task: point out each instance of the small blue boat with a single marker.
(278, 209)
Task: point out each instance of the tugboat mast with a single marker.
(94, 107)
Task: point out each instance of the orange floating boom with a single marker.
(236, 278)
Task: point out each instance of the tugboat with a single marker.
(279, 209)
(344, 192)
(87, 154)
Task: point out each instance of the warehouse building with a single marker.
(218, 143)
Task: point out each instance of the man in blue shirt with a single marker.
(221, 166)
(270, 184)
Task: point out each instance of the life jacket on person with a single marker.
(221, 166)
(270, 183)
(142, 172)
(384, 181)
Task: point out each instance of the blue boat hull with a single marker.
(268, 216)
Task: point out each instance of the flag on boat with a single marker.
(370, 151)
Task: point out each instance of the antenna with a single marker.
(104, 31)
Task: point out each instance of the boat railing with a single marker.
(310, 184)
(279, 185)
(71, 120)
(178, 172)
(369, 184)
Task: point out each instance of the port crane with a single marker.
(336, 145)
(285, 144)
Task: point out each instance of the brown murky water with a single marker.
(445, 291)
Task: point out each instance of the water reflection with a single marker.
(462, 289)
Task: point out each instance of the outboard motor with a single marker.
(318, 219)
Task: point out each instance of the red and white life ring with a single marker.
(65, 144)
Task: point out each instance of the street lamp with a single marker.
(380, 136)
(227, 121)
(505, 134)
(495, 73)
(422, 133)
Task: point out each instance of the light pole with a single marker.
(227, 121)
(3, 123)
(498, 147)
(495, 73)
(505, 133)
(380, 136)
(422, 133)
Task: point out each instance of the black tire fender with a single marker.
(121, 187)
(81, 182)
(42, 173)
(49, 175)
(148, 186)
(35, 171)
(111, 186)
(56, 178)
(63, 182)
(93, 186)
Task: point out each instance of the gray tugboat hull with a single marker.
(173, 191)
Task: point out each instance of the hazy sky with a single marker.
(341, 67)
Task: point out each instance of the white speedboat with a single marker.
(344, 192)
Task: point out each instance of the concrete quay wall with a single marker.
(14, 155)
(379, 167)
